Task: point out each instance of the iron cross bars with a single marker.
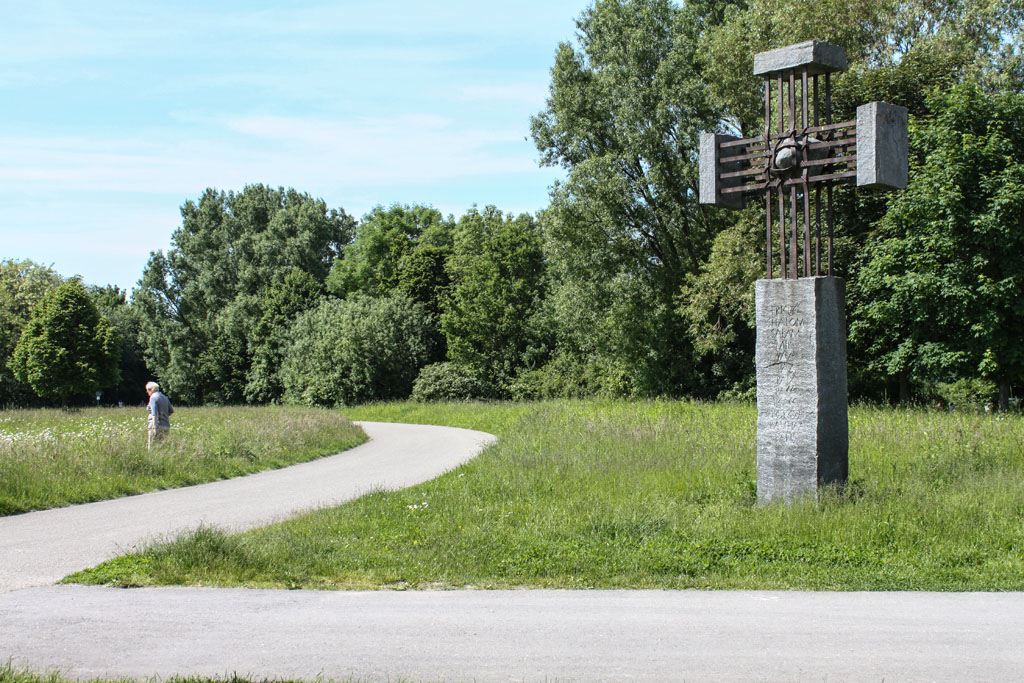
(801, 152)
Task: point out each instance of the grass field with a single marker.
(50, 458)
(645, 495)
(11, 674)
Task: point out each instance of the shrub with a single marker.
(356, 350)
(448, 382)
(564, 376)
(966, 393)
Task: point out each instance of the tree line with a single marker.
(623, 285)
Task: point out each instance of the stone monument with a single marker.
(793, 166)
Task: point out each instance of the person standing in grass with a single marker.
(160, 410)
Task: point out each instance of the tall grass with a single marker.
(50, 458)
(646, 495)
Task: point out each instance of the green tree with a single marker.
(497, 273)
(112, 304)
(424, 275)
(940, 291)
(23, 284)
(376, 261)
(615, 333)
(627, 104)
(624, 117)
(718, 305)
(358, 349)
(67, 347)
(281, 304)
(199, 303)
(399, 249)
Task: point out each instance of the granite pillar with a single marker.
(802, 426)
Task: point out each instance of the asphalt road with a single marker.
(87, 632)
(516, 635)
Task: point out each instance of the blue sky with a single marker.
(112, 114)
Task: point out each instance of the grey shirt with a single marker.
(160, 409)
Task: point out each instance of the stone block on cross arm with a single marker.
(882, 146)
(711, 169)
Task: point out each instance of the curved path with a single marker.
(40, 548)
(452, 635)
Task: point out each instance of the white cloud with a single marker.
(114, 164)
(297, 151)
(405, 148)
(527, 93)
(61, 29)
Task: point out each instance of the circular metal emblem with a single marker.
(787, 155)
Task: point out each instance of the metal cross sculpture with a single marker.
(802, 154)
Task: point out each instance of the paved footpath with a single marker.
(454, 635)
(43, 547)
